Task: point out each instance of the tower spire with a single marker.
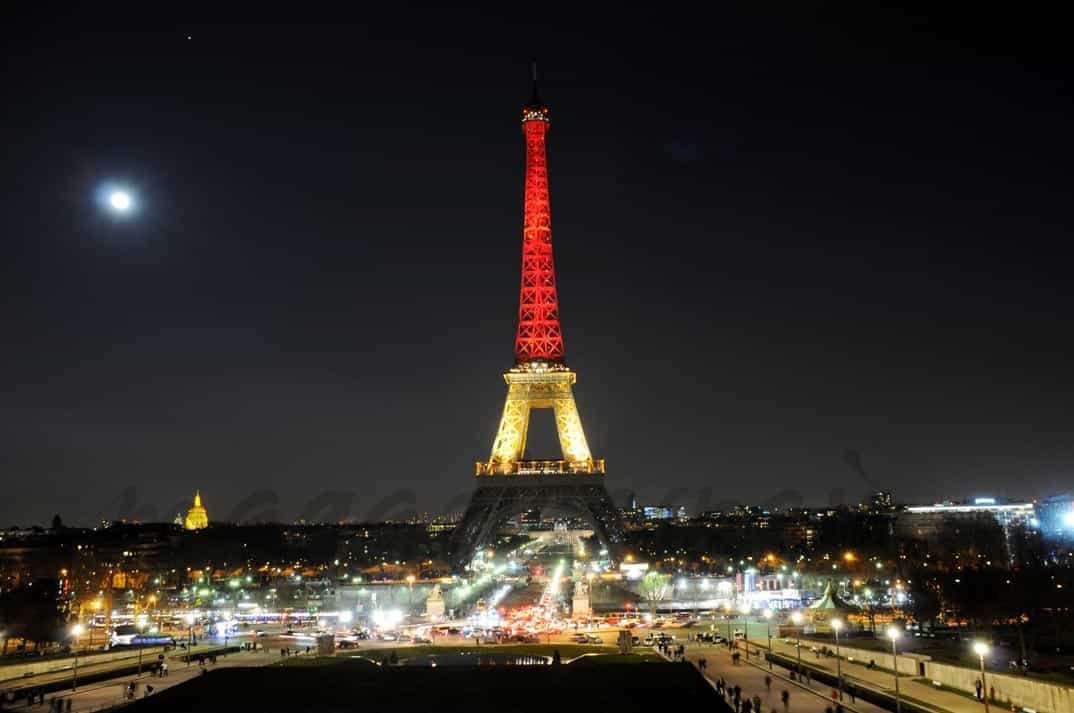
(535, 100)
(539, 336)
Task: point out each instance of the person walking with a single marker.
(786, 698)
(768, 684)
(756, 703)
(979, 686)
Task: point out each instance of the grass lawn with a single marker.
(346, 684)
(567, 652)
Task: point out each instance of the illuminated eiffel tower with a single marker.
(508, 485)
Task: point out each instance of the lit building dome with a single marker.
(196, 517)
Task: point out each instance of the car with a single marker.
(422, 640)
(649, 640)
(635, 640)
(593, 639)
(580, 638)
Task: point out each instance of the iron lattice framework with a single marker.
(539, 334)
(508, 484)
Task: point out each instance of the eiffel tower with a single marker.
(508, 485)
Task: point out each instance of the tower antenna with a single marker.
(536, 99)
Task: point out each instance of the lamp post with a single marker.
(981, 649)
(746, 628)
(893, 634)
(837, 624)
(76, 631)
(190, 630)
(768, 622)
(797, 619)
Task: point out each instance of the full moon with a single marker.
(120, 201)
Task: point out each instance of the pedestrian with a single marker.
(786, 698)
(853, 697)
(757, 703)
(747, 706)
(808, 677)
(68, 706)
(768, 684)
(991, 693)
(979, 686)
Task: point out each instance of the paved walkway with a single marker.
(751, 679)
(885, 681)
(105, 694)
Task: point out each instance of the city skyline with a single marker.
(320, 263)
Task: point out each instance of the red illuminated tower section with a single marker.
(539, 336)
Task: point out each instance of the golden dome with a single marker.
(196, 517)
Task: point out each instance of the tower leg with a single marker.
(571, 435)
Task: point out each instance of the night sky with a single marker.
(779, 237)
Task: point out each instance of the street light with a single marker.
(894, 634)
(190, 630)
(76, 631)
(746, 628)
(797, 619)
(981, 649)
(837, 624)
(768, 622)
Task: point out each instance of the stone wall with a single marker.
(908, 663)
(1023, 692)
(20, 670)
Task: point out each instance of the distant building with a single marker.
(965, 525)
(882, 501)
(196, 517)
(653, 513)
(1056, 517)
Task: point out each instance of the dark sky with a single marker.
(778, 237)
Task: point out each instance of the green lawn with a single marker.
(567, 653)
(334, 684)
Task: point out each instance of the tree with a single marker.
(32, 612)
(654, 586)
(57, 522)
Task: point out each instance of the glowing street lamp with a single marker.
(894, 634)
(76, 632)
(837, 624)
(190, 629)
(981, 649)
(796, 617)
(746, 628)
(768, 622)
